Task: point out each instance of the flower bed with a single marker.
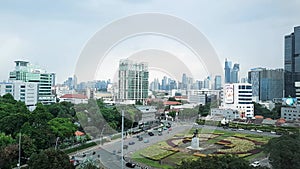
(157, 151)
(239, 145)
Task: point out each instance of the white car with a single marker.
(259, 131)
(255, 164)
(241, 129)
(252, 130)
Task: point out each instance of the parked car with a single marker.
(131, 143)
(130, 165)
(125, 146)
(151, 133)
(255, 164)
(146, 141)
(160, 133)
(259, 131)
(140, 138)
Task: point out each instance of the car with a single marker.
(146, 141)
(130, 165)
(140, 138)
(131, 143)
(255, 164)
(233, 129)
(151, 133)
(259, 131)
(252, 130)
(160, 133)
(241, 129)
(273, 132)
(125, 146)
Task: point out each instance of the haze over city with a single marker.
(52, 35)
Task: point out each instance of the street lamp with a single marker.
(122, 150)
(19, 161)
(101, 134)
(56, 142)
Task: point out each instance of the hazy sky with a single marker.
(53, 33)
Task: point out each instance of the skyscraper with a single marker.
(234, 75)
(133, 81)
(227, 70)
(26, 72)
(218, 82)
(291, 61)
(267, 84)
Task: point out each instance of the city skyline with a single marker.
(251, 35)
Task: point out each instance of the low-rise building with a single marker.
(74, 98)
(291, 113)
(228, 114)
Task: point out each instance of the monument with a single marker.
(195, 142)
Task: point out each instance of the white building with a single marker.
(291, 113)
(74, 98)
(228, 114)
(238, 96)
(26, 92)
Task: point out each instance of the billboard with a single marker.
(229, 93)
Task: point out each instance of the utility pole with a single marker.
(19, 161)
(122, 142)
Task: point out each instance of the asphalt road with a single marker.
(110, 153)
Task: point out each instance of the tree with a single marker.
(50, 159)
(62, 127)
(172, 114)
(284, 151)
(216, 162)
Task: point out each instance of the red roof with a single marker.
(259, 117)
(74, 96)
(79, 133)
(171, 103)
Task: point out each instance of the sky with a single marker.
(52, 34)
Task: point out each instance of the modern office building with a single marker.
(234, 76)
(26, 92)
(291, 61)
(231, 73)
(26, 72)
(227, 70)
(267, 84)
(133, 81)
(291, 113)
(238, 96)
(218, 82)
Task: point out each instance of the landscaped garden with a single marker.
(171, 152)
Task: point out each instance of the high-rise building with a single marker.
(291, 62)
(234, 75)
(227, 70)
(238, 96)
(133, 81)
(218, 82)
(184, 81)
(26, 72)
(267, 84)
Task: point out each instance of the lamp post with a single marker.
(101, 134)
(56, 143)
(19, 161)
(122, 142)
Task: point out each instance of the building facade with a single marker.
(290, 113)
(231, 73)
(26, 72)
(26, 92)
(238, 96)
(291, 61)
(267, 84)
(218, 82)
(133, 81)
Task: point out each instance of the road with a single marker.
(110, 153)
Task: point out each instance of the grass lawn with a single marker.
(139, 159)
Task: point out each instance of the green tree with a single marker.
(172, 114)
(284, 151)
(62, 127)
(50, 159)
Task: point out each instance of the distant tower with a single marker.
(234, 76)
(227, 70)
(218, 82)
